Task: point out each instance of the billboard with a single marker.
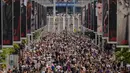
(28, 16)
(123, 22)
(99, 17)
(23, 19)
(112, 21)
(105, 18)
(7, 21)
(16, 20)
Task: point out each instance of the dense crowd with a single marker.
(67, 53)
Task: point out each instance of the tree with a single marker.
(6, 51)
(36, 35)
(16, 45)
(123, 55)
(24, 41)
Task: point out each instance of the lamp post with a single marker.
(54, 11)
(66, 14)
(66, 20)
(66, 33)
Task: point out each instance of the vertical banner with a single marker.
(29, 17)
(0, 26)
(38, 15)
(7, 19)
(16, 20)
(105, 18)
(95, 16)
(83, 15)
(123, 22)
(86, 18)
(92, 15)
(35, 15)
(89, 22)
(23, 18)
(32, 18)
(42, 16)
(99, 17)
(112, 21)
(38, 12)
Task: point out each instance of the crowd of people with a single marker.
(67, 53)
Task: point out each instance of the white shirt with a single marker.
(58, 67)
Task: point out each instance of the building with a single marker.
(63, 6)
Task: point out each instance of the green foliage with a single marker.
(6, 51)
(90, 34)
(123, 55)
(16, 46)
(3, 66)
(24, 41)
(36, 35)
(118, 49)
